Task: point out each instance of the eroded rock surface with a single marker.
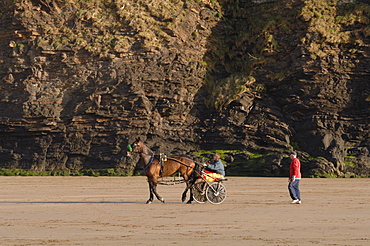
(63, 107)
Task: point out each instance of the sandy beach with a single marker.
(112, 211)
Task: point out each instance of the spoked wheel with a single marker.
(199, 193)
(216, 193)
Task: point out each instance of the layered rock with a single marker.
(66, 107)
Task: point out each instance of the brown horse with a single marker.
(156, 167)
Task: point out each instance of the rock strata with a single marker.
(65, 106)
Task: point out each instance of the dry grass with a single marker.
(328, 22)
(223, 92)
(248, 38)
(105, 27)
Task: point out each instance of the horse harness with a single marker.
(162, 158)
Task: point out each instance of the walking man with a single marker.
(294, 178)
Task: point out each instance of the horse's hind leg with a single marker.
(183, 197)
(189, 186)
(192, 182)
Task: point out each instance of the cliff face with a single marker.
(81, 80)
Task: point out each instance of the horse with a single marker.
(156, 166)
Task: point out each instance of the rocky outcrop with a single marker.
(76, 90)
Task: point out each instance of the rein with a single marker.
(169, 158)
(173, 159)
(163, 158)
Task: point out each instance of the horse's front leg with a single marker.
(153, 190)
(150, 192)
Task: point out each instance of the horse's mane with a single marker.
(148, 149)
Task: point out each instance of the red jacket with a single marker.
(295, 169)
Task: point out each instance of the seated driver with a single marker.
(217, 166)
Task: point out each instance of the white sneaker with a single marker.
(294, 202)
(299, 202)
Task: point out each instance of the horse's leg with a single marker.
(189, 184)
(154, 190)
(150, 192)
(189, 187)
(185, 191)
(186, 178)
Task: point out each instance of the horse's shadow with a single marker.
(62, 202)
(79, 202)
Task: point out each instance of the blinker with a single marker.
(129, 148)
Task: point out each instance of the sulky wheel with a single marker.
(199, 193)
(216, 193)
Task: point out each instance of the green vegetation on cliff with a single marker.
(333, 23)
(104, 28)
(256, 37)
(241, 44)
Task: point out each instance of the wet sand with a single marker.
(112, 211)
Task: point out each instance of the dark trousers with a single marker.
(293, 188)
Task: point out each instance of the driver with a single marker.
(217, 166)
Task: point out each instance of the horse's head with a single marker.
(136, 147)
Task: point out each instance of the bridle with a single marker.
(138, 147)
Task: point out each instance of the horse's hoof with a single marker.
(148, 202)
(189, 202)
(162, 200)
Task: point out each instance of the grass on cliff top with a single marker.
(104, 27)
(252, 37)
(247, 38)
(333, 24)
